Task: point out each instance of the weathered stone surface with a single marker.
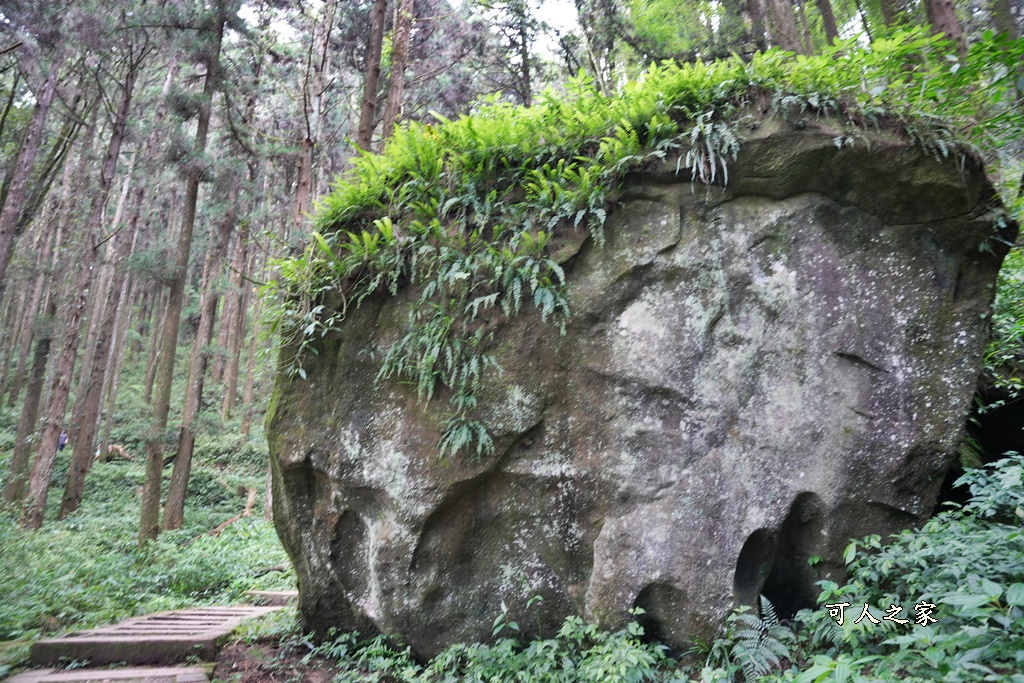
(751, 376)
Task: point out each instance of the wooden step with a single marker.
(161, 638)
(147, 674)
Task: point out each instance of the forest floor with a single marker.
(271, 661)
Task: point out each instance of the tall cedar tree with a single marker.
(149, 518)
(368, 105)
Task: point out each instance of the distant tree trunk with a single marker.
(805, 30)
(35, 297)
(47, 270)
(784, 30)
(1003, 20)
(368, 108)
(149, 518)
(15, 489)
(10, 212)
(312, 102)
(14, 314)
(250, 372)
(123, 317)
(227, 315)
(141, 320)
(399, 60)
(828, 19)
(235, 323)
(942, 17)
(174, 508)
(153, 355)
(39, 484)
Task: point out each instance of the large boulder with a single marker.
(751, 376)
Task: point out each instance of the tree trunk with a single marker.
(368, 107)
(526, 87)
(10, 213)
(784, 30)
(35, 297)
(39, 484)
(149, 518)
(123, 317)
(942, 17)
(268, 499)
(890, 12)
(805, 30)
(312, 99)
(98, 287)
(399, 60)
(828, 19)
(9, 105)
(174, 508)
(227, 314)
(1003, 20)
(756, 12)
(51, 164)
(250, 373)
(235, 323)
(153, 355)
(15, 489)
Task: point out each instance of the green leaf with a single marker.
(1015, 595)
(850, 553)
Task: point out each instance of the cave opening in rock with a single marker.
(662, 604)
(775, 563)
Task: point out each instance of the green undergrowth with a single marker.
(87, 569)
(465, 213)
(967, 562)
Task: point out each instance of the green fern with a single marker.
(758, 643)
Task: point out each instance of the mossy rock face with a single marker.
(750, 377)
